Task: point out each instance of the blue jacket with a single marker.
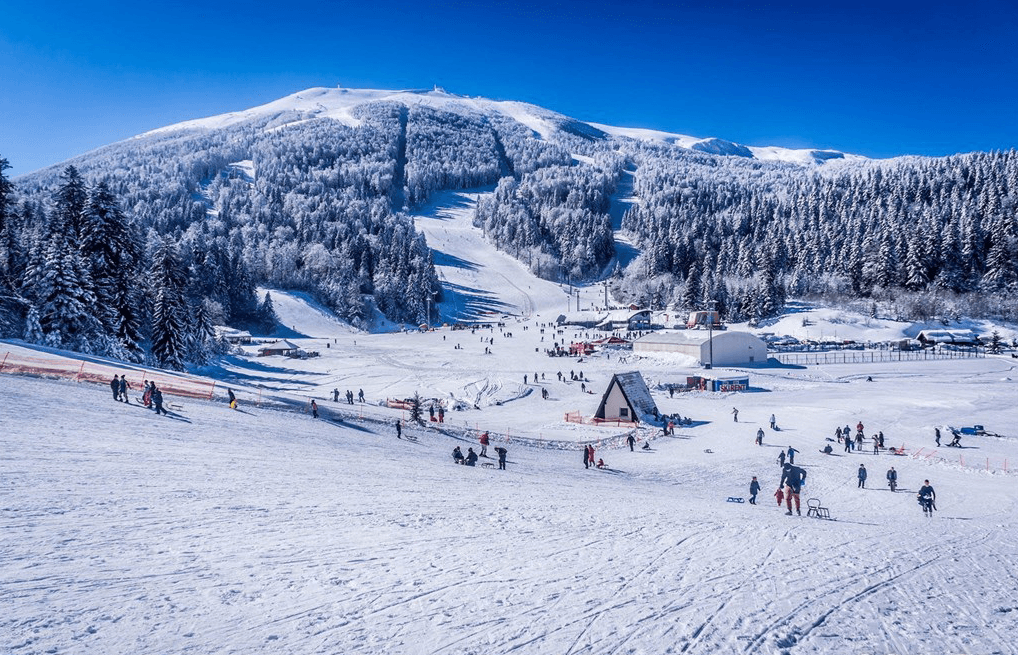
(862, 473)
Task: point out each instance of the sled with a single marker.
(734, 499)
(708, 451)
(815, 510)
(487, 465)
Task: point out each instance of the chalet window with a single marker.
(624, 411)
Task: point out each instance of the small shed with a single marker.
(284, 347)
(626, 319)
(232, 336)
(730, 348)
(627, 398)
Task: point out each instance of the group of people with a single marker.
(470, 459)
(588, 457)
(152, 397)
(844, 435)
(349, 396)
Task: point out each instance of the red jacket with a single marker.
(484, 439)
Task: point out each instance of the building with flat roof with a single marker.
(730, 348)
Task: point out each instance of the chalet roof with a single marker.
(636, 393)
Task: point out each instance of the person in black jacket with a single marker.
(792, 479)
(471, 457)
(157, 400)
(502, 452)
(123, 389)
(457, 455)
(754, 489)
(115, 387)
(631, 440)
(892, 479)
(927, 498)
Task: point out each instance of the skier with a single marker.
(501, 457)
(586, 458)
(484, 443)
(457, 455)
(115, 387)
(232, 398)
(754, 489)
(862, 476)
(892, 479)
(791, 455)
(781, 458)
(123, 389)
(735, 414)
(927, 498)
(314, 408)
(399, 429)
(774, 422)
(792, 477)
(759, 436)
(631, 440)
(157, 399)
(471, 457)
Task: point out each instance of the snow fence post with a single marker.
(6, 355)
(80, 369)
(212, 389)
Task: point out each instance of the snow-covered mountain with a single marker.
(339, 103)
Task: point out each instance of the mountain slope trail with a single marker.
(479, 280)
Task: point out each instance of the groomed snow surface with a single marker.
(262, 531)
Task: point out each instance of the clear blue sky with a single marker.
(874, 78)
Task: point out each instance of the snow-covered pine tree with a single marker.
(33, 330)
(69, 204)
(169, 321)
(267, 318)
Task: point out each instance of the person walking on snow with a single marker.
(360, 395)
(781, 458)
(876, 445)
(590, 454)
(335, 395)
(735, 415)
(791, 455)
(501, 457)
(441, 414)
(862, 476)
(314, 409)
(631, 440)
(754, 489)
(759, 436)
(937, 432)
(123, 389)
(484, 443)
(792, 477)
(586, 458)
(774, 422)
(157, 400)
(848, 443)
(115, 387)
(399, 429)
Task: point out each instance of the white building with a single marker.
(730, 348)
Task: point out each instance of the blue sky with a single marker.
(878, 79)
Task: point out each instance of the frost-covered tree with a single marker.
(169, 318)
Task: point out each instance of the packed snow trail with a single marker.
(269, 532)
(479, 280)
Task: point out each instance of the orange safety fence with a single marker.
(84, 371)
(576, 417)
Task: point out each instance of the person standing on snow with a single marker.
(791, 455)
(399, 429)
(781, 458)
(735, 415)
(862, 476)
(157, 400)
(937, 432)
(360, 395)
(586, 458)
(501, 457)
(792, 477)
(927, 498)
(590, 454)
(314, 408)
(631, 440)
(754, 489)
(123, 389)
(892, 479)
(484, 443)
(115, 387)
(774, 422)
(335, 395)
(759, 436)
